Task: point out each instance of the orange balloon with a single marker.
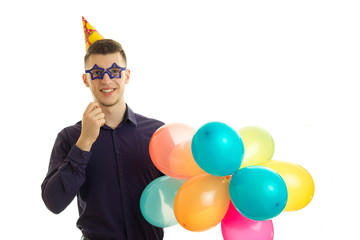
(202, 202)
(170, 151)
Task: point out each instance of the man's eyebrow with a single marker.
(114, 65)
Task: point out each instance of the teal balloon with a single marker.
(157, 201)
(258, 192)
(217, 149)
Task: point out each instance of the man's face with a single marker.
(107, 91)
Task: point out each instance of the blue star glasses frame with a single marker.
(97, 72)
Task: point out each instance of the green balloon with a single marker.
(258, 144)
(157, 201)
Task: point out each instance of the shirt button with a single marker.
(117, 152)
(121, 174)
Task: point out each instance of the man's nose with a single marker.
(106, 77)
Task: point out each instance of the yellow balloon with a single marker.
(299, 183)
(202, 202)
(258, 145)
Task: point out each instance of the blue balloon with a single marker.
(157, 201)
(217, 149)
(258, 192)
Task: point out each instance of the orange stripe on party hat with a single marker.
(91, 35)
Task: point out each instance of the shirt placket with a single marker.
(121, 175)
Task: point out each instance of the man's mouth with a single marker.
(107, 90)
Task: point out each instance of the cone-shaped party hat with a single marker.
(91, 35)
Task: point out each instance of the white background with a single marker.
(290, 67)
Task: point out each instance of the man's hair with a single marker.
(105, 46)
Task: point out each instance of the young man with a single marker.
(104, 159)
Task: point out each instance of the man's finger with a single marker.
(92, 106)
(102, 122)
(100, 115)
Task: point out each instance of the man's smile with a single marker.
(107, 90)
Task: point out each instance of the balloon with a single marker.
(235, 226)
(201, 203)
(258, 192)
(217, 149)
(258, 144)
(299, 183)
(157, 201)
(170, 151)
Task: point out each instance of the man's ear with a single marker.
(84, 77)
(127, 76)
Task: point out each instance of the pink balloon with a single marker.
(170, 151)
(235, 226)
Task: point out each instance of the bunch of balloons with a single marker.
(217, 174)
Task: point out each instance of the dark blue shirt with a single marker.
(108, 180)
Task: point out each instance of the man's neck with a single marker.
(114, 115)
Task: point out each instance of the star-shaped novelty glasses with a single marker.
(97, 72)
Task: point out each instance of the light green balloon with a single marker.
(157, 201)
(258, 145)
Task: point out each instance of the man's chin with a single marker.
(108, 104)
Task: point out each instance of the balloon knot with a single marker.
(227, 178)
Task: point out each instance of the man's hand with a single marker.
(93, 119)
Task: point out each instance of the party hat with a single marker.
(91, 35)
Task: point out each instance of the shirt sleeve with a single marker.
(66, 174)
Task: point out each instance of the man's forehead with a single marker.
(105, 60)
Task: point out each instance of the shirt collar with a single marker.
(130, 116)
